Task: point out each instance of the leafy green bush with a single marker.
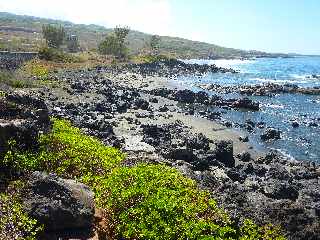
(14, 223)
(152, 58)
(158, 202)
(114, 43)
(67, 152)
(141, 202)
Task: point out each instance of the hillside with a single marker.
(23, 33)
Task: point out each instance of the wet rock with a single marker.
(244, 138)
(261, 125)
(163, 109)
(141, 103)
(224, 153)
(185, 96)
(295, 124)
(198, 141)
(154, 100)
(313, 124)
(246, 103)
(59, 204)
(202, 97)
(244, 157)
(271, 134)
(214, 115)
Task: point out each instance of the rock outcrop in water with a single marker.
(269, 89)
(173, 67)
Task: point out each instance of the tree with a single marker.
(73, 43)
(121, 34)
(115, 43)
(154, 43)
(53, 35)
(110, 46)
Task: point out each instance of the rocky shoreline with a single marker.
(135, 109)
(268, 89)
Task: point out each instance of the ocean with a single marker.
(279, 111)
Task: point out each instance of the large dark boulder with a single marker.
(23, 132)
(59, 204)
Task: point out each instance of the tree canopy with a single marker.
(54, 35)
(115, 43)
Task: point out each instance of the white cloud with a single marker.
(152, 16)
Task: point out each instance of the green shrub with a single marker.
(54, 35)
(14, 80)
(67, 152)
(115, 44)
(158, 202)
(14, 223)
(142, 202)
(56, 55)
(152, 58)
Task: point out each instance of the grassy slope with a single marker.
(90, 35)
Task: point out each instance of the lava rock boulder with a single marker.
(59, 204)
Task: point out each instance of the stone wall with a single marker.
(12, 60)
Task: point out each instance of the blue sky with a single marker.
(270, 25)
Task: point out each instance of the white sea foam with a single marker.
(279, 81)
(225, 63)
(269, 105)
(299, 76)
(284, 154)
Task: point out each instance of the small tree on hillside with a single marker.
(115, 43)
(154, 43)
(110, 46)
(53, 35)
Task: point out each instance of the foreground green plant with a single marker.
(14, 79)
(146, 201)
(158, 202)
(14, 223)
(56, 55)
(67, 152)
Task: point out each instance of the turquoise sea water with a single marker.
(302, 143)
